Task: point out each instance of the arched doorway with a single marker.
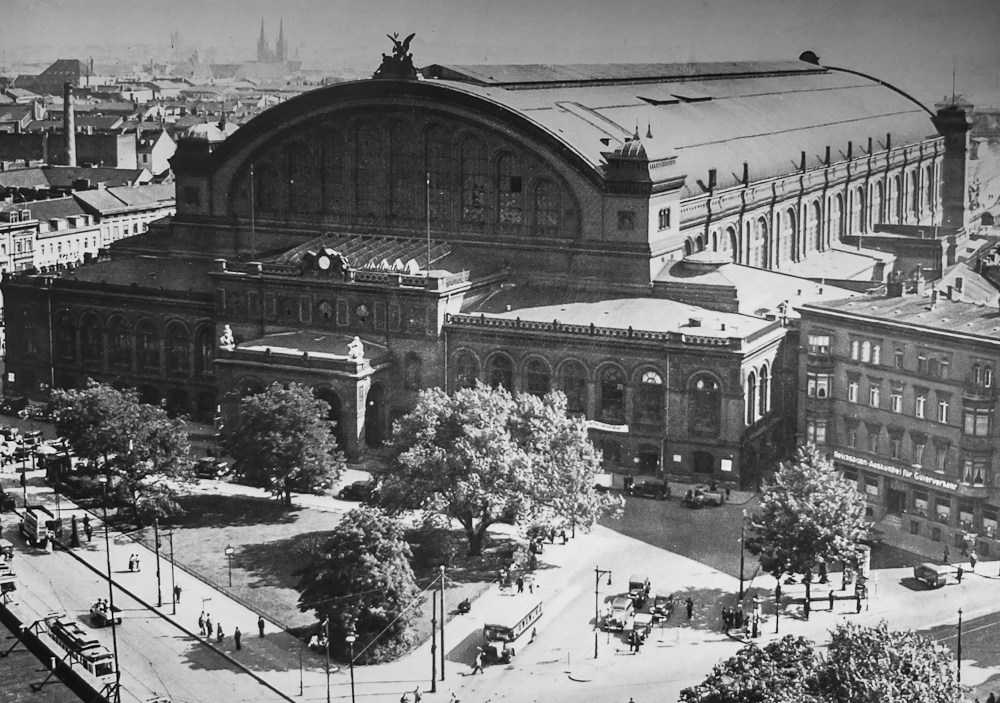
(375, 416)
(648, 459)
(335, 415)
(703, 462)
(177, 402)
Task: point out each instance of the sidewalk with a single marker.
(276, 658)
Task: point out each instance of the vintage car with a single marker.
(638, 589)
(934, 575)
(359, 490)
(701, 495)
(621, 613)
(211, 468)
(642, 625)
(651, 488)
(663, 604)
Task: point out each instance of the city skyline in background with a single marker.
(914, 44)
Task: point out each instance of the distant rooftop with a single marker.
(945, 317)
(148, 272)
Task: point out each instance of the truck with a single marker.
(102, 614)
(36, 523)
(638, 589)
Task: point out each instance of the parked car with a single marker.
(12, 406)
(638, 589)
(359, 490)
(210, 468)
(663, 604)
(651, 488)
(42, 413)
(622, 612)
(701, 495)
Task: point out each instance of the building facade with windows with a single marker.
(901, 390)
(512, 224)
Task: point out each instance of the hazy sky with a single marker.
(912, 43)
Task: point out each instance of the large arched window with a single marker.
(914, 193)
(267, 189)
(649, 399)
(786, 245)
(502, 372)
(510, 195)
(91, 340)
(929, 187)
(612, 400)
(147, 346)
(760, 245)
(705, 413)
(333, 155)
(813, 232)
(177, 343)
(299, 179)
(466, 371)
(573, 382)
(120, 342)
(537, 377)
(437, 150)
(403, 159)
(836, 217)
(204, 350)
(475, 168)
(730, 241)
(545, 209)
(751, 398)
(858, 211)
(878, 198)
(65, 336)
(895, 212)
(367, 171)
(764, 393)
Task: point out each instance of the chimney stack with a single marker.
(850, 150)
(827, 159)
(888, 141)
(746, 173)
(871, 143)
(713, 178)
(802, 162)
(69, 125)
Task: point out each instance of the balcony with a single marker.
(978, 490)
(971, 390)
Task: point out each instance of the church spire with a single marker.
(282, 48)
(262, 48)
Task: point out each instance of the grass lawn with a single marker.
(270, 546)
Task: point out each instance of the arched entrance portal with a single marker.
(149, 395)
(375, 417)
(335, 415)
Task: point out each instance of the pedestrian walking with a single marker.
(562, 535)
(137, 563)
(534, 634)
(947, 554)
(831, 600)
(478, 668)
(201, 623)
(405, 698)
(690, 606)
(87, 528)
(727, 493)
(972, 561)
(237, 637)
(958, 574)
(417, 694)
(520, 584)
(857, 594)
(208, 626)
(531, 586)
(552, 535)
(260, 624)
(725, 619)
(177, 594)
(756, 623)
(218, 633)
(131, 562)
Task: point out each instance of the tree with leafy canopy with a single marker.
(283, 442)
(862, 665)
(361, 575)
(808, 515)
(482, 455)
(138, 444)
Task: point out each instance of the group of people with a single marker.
(205, 628)
(133, 562)
(102, 605)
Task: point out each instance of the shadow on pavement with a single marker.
(465, 651)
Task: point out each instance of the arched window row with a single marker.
(757, 392)
(142, 344)
(387, 172)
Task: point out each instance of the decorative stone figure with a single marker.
(356, 350)
(400, 64)
(227, 341)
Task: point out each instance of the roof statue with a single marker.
(356, 350)
(227, 341)
(400, 64)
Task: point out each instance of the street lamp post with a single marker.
(229, 556)
(598, 573)
(111, 589)
(743, 532)
(959, 653)
(173, 582)
(326, 647)
(351, 637)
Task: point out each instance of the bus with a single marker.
(501, 633)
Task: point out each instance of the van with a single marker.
(934, 575)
